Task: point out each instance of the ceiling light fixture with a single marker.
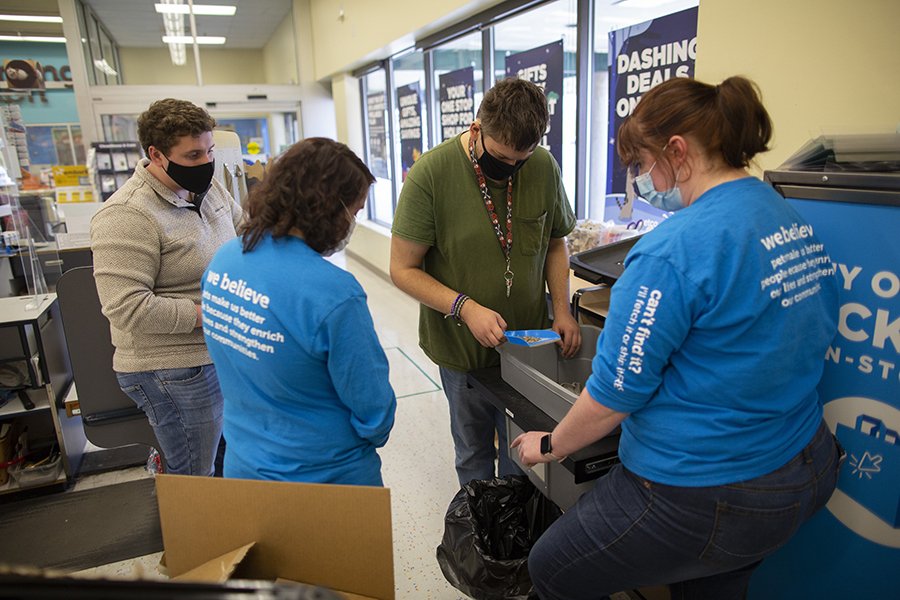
(186, 39)
(174, 26)
(640, 3)
(199, 9)
(32, 38)
(31, 18)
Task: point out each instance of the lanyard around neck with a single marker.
(505, 241)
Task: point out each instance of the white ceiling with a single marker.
(135, 23)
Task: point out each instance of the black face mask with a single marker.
(494, 168)
(196, 179)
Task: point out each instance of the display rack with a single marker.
(113, 164)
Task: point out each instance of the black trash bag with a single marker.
(490, 528)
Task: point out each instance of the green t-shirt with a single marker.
(441, 206)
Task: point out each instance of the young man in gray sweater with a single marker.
(152, 241)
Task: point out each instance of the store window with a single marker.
(93, 35)
(254, 135)
(545, 40)
(85, 41)
(611, 15)
(378, 148)
(109, 63)
(119, 128)
(404, 117)
(410, 113)
(459, 84)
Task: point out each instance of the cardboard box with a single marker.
(336, 536)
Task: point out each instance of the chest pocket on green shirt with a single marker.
(530, 235)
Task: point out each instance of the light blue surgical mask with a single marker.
(669, 200)
(343, 243)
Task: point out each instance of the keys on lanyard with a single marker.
(505, 242)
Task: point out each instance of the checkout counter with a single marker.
(536, 387)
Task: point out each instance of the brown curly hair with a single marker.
(167, 120)
(311, 186)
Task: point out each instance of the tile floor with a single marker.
(417, 461)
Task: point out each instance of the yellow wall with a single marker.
(280, 56)
(820, 64)
(153, 66)
(373, 29)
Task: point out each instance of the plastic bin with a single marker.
(541, 374)
(42, 474)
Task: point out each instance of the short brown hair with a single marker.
(727, 120)
(167, 120)
(310, 186)
(515, 112)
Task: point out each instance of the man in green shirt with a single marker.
(479, 228)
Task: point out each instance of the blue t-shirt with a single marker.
(304, 377)
(715, 339)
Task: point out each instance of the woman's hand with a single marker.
(529, 445)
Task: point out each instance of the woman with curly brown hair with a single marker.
(305, 379)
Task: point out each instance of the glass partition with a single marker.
(27, 221)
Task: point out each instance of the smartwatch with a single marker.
(546, 448)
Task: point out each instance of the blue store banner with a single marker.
(410, 105)
(544, 67)
(641, 57)
(457, 96)
(851, 549)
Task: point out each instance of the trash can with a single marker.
(490, 528)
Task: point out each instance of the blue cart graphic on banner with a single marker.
(872, 473)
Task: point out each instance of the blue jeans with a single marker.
(473, 420)
(627, 532)
(184, 407)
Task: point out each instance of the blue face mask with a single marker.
(669, 200)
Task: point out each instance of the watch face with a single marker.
(545, 444)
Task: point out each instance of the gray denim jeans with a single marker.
(184, 407)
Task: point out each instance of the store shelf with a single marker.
(11, 486)
(39, 341)
(14, 310)
(14, 407)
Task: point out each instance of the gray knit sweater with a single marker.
(150, 251)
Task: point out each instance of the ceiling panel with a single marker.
(135, 23)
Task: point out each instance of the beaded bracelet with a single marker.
(459, 308)
(456, 309)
